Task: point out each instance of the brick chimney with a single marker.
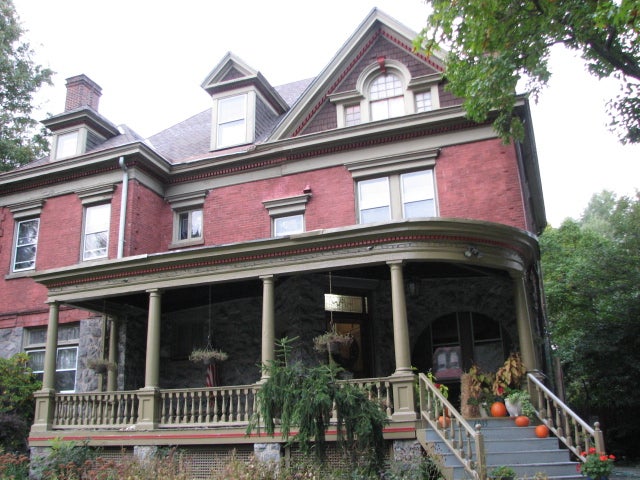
(82, 92)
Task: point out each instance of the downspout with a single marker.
(123, 206)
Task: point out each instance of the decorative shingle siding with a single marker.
(265, 118)
(447, 99)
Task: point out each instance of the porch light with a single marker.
(472, 252)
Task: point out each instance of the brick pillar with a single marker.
(82, 92)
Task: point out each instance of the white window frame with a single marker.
(67, 144)
(24, 212)
(288, 225)
(17, 245)
(190, 214)
(104, 224)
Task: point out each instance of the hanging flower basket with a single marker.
(207, 355)
(332, 342)
(100, 365)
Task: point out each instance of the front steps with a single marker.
(506, 444)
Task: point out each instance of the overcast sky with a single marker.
(150, 57)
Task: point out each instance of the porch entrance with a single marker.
(452, 343)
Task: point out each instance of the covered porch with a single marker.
(394, 287)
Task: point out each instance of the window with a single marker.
(374, 200)
(232, 119)
(26, 244)
(66, 355)
(288, 225)
(396, 196)
(418, 196)
(96, 231)
(190, 225)
(287, 214)
(67, 145)
(386, 95)
(352, 115)
(423, 102)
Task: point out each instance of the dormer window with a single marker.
(232, 121)
(67, 144)
(386, 95)
(384, 90)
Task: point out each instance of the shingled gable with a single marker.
(232, 73)
(378, 36)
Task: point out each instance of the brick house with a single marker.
(361, 200)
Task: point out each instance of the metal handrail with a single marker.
(465, 442)
(565, 424)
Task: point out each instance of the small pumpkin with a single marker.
(522, 421)
(498, 409)
(542, 431)
(444, 421)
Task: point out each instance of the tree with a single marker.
(591, 273)
(20, 78)
(493, 44)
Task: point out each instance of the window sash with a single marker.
(96, 231)
(418, 195)
(288, 225)
(423, 102)
(374, 200)
(190, 225)
(387, 108)
(352, 115)
(26, 244)
(232, 121)
(66, 367)
(67, 145)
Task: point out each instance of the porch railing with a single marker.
(574, 432)
(110, 409)
(210, 406)
(176, 408)
(465, 442)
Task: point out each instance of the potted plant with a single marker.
(477, 391)
(207, 355)
(518, 402)
(510, 375)
(332, 342)
(503, 472)
(101, 365)
(597, 466)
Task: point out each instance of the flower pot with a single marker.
(514, 408)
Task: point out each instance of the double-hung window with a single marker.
(26, 244)
(66, 354)
(189, 225)
(287, 214)
(232, 121)
(288, 225)
(96, 231)
(396, 196)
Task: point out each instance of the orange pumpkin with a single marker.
(542, 431)
(444, 421)
(498, 409)
(522, 421)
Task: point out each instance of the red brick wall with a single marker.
(480, 181)
(236, 213)
(149, 221)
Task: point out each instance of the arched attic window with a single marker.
(386, 89)
(386, 97)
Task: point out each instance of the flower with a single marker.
(596, 464)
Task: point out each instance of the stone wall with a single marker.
(10, 341)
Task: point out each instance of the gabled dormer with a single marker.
(245, 105)
(80, 128)
(377, 75)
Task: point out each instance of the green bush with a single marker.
(17, 384)
(14, 466)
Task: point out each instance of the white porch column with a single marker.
(403, 391)
(523, 320)
(268, 322)
(45, 398)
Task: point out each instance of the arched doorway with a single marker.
(454, 342)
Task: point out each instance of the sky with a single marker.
(150, 57)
